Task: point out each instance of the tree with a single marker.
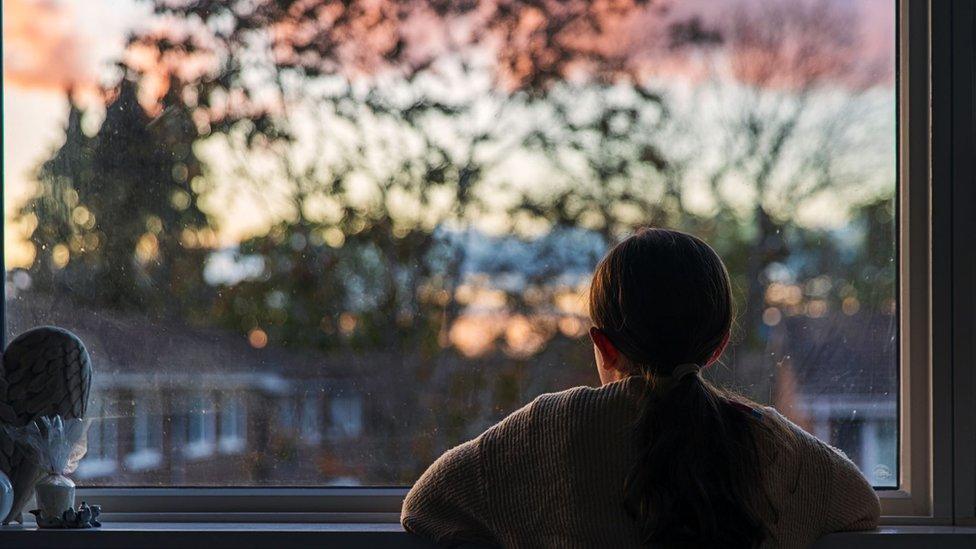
(787, 138)
(115, 209)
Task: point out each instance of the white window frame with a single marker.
(233, 411)
(936, 271)
(206, 446)
(937, 290)
(146, 419)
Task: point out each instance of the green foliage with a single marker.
(113, 208)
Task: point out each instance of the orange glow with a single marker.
(523, 338)
(816, 308)
(572, 303)
(42, 48)
(158, 69)
(60, 255)
(257, 338)
(347, 323)
(475, 335)
(772, 316)
(147, 249)
(784, 294)
(572, 326)
(851, 306)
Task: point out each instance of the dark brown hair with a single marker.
(664, 298)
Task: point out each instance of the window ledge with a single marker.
(236, 535)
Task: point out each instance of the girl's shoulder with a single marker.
(567, 414)
(795, 435)
(792, 447)
(821, 480)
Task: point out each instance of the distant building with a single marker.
(174, 405)
(839, 379)
(180, 405)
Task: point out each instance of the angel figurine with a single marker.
(44, 372)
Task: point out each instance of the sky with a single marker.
(50, 45)
(53, 45)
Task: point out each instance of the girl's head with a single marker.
(661, 300)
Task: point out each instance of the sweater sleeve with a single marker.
(853, 503)
(447, 504)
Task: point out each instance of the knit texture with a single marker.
(552, 475)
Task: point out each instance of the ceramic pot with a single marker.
(55, 495)
(6, 495)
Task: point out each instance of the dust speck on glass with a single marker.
(318, 243)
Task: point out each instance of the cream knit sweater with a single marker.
(552, 475)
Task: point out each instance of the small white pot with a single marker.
(55, 495)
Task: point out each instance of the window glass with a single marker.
(147, 430)
(286, 414)
(347, 416)
(311, 431)
(233, 423)
(288, 226)
(199, 427)
(100, 461)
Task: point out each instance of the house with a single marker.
(838, 378)
(175, 405)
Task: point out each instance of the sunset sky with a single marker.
(50, 45)
(53, 45)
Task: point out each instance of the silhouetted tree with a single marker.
(115, 209)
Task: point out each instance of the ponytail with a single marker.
(696, 480)
(664, 299)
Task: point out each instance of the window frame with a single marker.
(937, 294)
(936, 274)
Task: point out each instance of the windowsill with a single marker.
(234, 535)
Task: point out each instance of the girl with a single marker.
(657, 455)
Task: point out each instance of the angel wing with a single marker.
(45, 371)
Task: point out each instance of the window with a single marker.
(147, 435)
(233, 424)
(311, 425)
(101, 458)
(347, 416)
(286, 414)
(404, 224)
(199, 427)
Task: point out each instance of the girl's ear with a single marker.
(608, 352)
(720, 349)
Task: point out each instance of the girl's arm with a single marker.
(447, 504)
(854, 505)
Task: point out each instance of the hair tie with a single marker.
(682, 371)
